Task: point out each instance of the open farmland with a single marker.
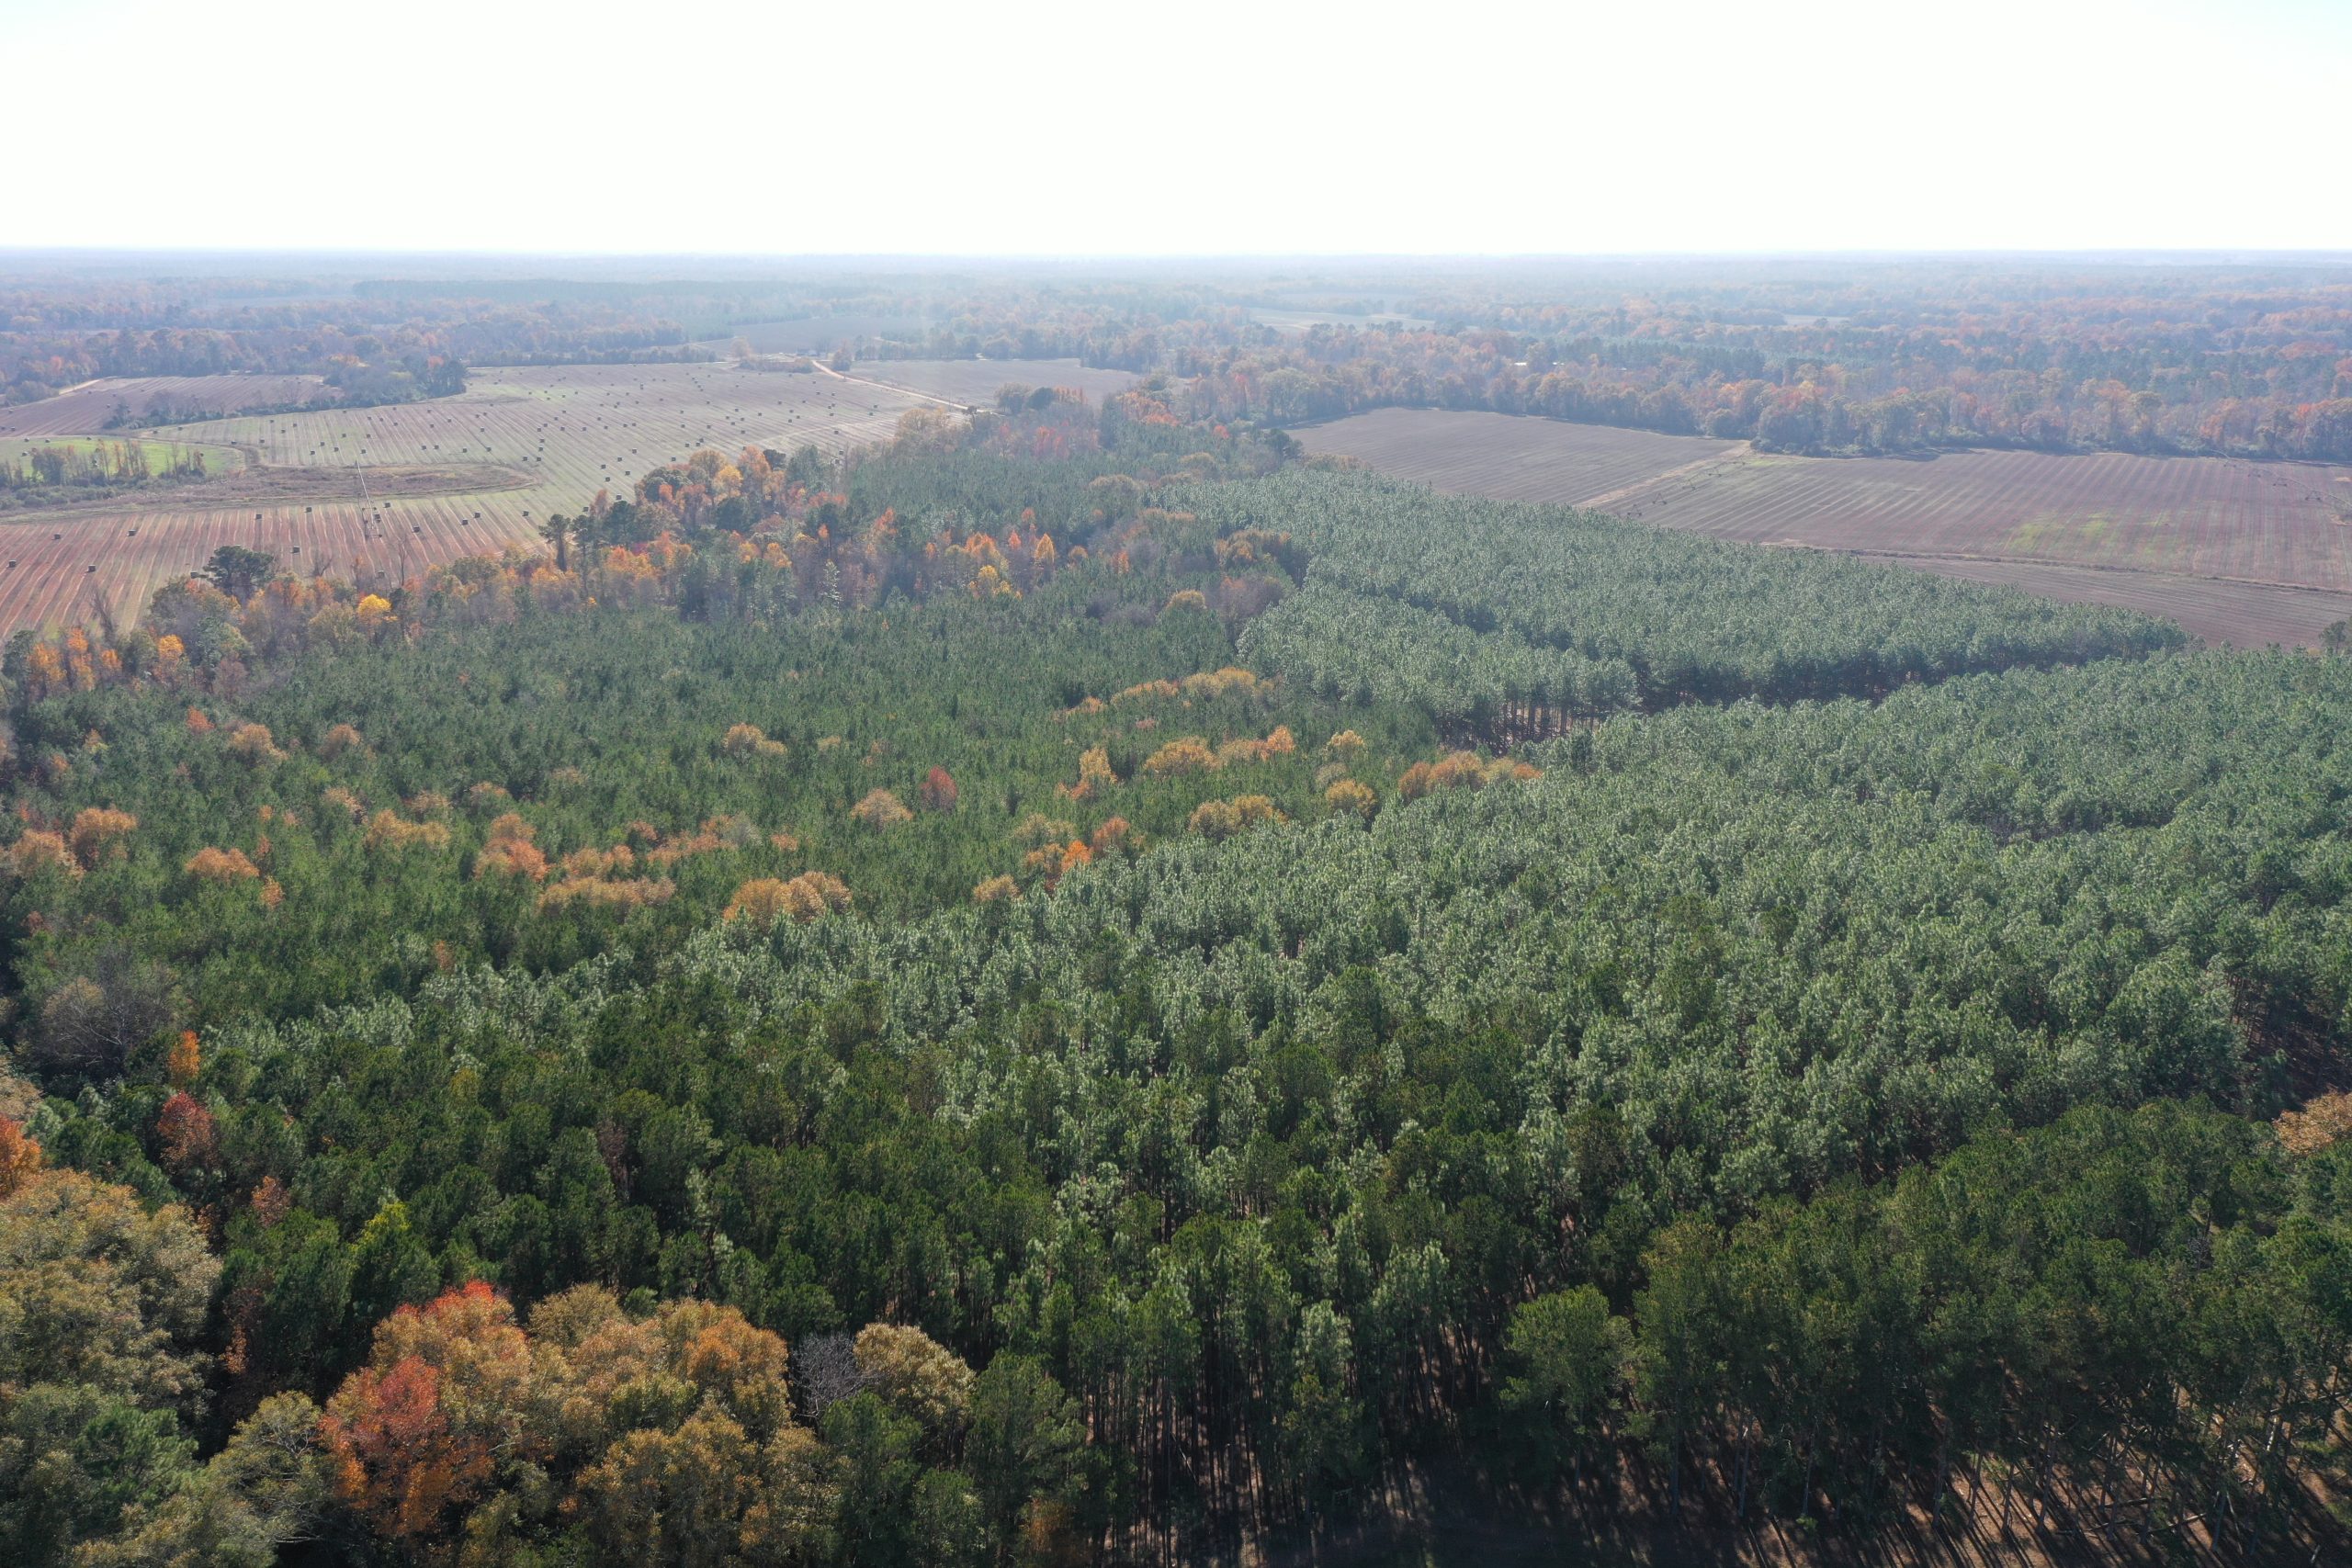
(2237, 551)
(363, 491)
(973, 382)
(85, 409)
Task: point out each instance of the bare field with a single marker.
(2246, 615)
(2243, 552)
(973, 382)
(85, 409)
(2194, 516)
(1508, 456)
(457, 475)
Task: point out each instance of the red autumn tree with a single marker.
(939, 791)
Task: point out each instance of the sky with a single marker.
(1204, 127)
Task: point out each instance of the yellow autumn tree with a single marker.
(211, 864)
(881, 809)
(1094, 773)
(763, 900)
(39, 852)
(339, 739)
(916, 1374)
(99, 830)
(1038, 829)
(751, 740)
(1190, 754)
(254, 743)
(1216, 819)
(388, 830)
(1227, 682)
(1349, 795)
(633, 893)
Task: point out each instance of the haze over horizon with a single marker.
(2100, 125)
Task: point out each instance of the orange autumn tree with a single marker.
(20, 1156)
(1461, 770)
(510, 849)
(185, 1060)
(671, 1434)
(1351, 796)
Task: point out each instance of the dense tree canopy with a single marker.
(688, 1055)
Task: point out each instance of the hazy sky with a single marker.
(1098, 128)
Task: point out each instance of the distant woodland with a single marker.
(2166, 356)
